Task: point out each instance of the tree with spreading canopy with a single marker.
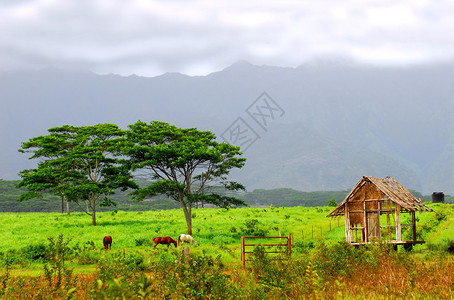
(76, 163)
(184, 164)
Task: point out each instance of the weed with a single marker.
(251, 228)
(35, 252)
(59, 278)
(5, 277)
(143, 242)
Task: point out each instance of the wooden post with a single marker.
(289, 245)
(388, 220)
(186, 254)
(413, 220)
(347, 224)
(243, 258)
(365, 237)
(398, 224)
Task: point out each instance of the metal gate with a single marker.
(287, 245)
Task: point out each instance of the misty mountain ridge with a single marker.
(338, 123)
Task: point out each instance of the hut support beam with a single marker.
(413, 223)
(347, 225)
(398, 225)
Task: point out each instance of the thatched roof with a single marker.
(393, 190)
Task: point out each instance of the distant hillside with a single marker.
(336, 123)
(9, 195)
(281, 197)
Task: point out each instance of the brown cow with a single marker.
(164, 240)
(107, 241)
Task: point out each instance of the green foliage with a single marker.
(200, 277)
(78, 166)
(142, 241)
(58, 276)
(137, 287)
(86, 254)
(35, 252)
(121, 277)
(270, 274)
(182, 164)
(286, 197)
(252, 227)
(5, 277)
(332, 203)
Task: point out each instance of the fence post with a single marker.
(186, 254)
(289, 245)
(243, 258)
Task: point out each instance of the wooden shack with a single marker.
(374, 210)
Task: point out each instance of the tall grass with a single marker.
(329, 270)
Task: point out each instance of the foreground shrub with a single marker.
(58, 276)
(200, 277)
(329, 271)
(35, 252)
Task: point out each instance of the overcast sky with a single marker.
(197, 37)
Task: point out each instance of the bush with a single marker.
(118, 278)
(35, 252)
(143, 242)
(201, 277)
(87, 253)
(135, 261)
(251, 228)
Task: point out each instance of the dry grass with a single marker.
(390, 279)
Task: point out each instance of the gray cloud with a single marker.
(201, 36)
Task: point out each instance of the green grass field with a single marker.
(320, 267)
(217, 231)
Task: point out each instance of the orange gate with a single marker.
(287, 251)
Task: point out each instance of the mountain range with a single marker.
(319, 126)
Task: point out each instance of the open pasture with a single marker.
(320, 267)
(217, 231)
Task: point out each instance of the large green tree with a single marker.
(183, 164)
(77, 163)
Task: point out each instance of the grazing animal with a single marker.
(107, 241)
(186, 238)
(164, 240)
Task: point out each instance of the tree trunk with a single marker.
(92, 201)
(67, 208)
(188, 216)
